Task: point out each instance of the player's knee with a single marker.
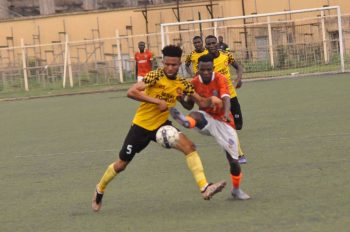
(185, 145)
(235, 168)
(120, 165)
(189, 146)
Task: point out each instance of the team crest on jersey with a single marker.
(215, 93)
(179, 91)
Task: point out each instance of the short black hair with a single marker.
(206, 58)
(197, 37)
(172, 51)
(210, 37)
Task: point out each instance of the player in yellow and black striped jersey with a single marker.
(193, 57)
(222, 62)
(159, 86)
(157, 93)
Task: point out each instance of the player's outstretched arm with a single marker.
(227, 108)
(202, 102)
(136, 92)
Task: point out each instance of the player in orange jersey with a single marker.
(218, 121)
(144, 61)
(222, 62)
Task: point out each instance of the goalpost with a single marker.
(280, 43)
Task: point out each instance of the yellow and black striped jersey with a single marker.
(158, 85)
(193, 57)
(222, 65)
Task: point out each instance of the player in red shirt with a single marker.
(216, 120)
(144, 60)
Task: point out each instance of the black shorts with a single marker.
(136, 140)
(236, 113)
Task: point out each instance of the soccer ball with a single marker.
(167, 136)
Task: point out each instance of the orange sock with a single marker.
(236, 180)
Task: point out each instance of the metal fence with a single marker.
(265, 47)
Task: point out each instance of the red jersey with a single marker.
(216, 87)
(144, 63)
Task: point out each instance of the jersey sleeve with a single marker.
(188, 87)
(152, 77)
(188, 60)
(231, 59)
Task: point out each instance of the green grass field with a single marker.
(296, 137)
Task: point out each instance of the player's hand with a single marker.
(162, 105)
(226, 117)
(238, 83)
(216, 103)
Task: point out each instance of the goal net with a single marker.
(274, 44)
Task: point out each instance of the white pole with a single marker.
(119, 55)
(216, 29)
(65, 62)
(162, 36)
(325, 51)
(167, 36)
(270, 41)
(69, 63)
(25, 74)
(341, 44)
(70, 72)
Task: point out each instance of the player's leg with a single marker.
(236, 177)
(236, 113)
(238, 119)
(182, 119)
(136, 140)
(110, 173)
(194, 119)
(194, 164)
(227, 138)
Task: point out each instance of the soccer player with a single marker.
(222, 62)
(192, 58)
(157, 93)
(222, 45)
(144, 61)
(217, 122)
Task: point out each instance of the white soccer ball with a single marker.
(167, 136)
